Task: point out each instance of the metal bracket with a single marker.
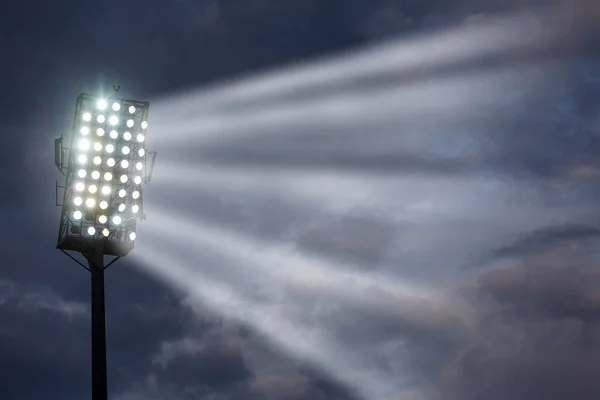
(114, 260)
(149, 175)
(76, 260)
(56, 194)
(60, 155)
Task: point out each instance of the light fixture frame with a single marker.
(72, 234)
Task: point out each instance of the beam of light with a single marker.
(468, 42)
(359, 375)
(294, 269)
(413, 197)
(299, 268)
(439, 98)
(426, 211)
(308, 187)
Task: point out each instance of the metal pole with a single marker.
(99, 379)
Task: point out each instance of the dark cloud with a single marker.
(543, 239)
(218, 359)
(359, 236)
(29, 359)
(545, 291)
(215, 365)
(376, 163)
(540, 340)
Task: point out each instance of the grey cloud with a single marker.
(31, 299)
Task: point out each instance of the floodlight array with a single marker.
(106, 170)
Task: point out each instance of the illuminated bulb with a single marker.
(81, 173)
(103, 205)
(106, 190)
(97, 146)
(125, 150)
(124, 164)
(93, 189)
(77, 215)
(110, 162)
(95, 175)
(79, 186)
(141, 152)
(105, 232)
(140, 138)
(130, 123)
(109, 148)
(144, 124)
(116, 220)
(82, 159)
(132, 236)
(84, 130)
(127, 135)
(100, 118)
(123, 178)
(91, 231)
(121, 207)
(97, 160)
(78, 201)
(108, 176)
(135, 195)
(122, 193)
(137, 180)
(139, 166)
(114, 134)
(100, 132)
(102, 219)
(116, 106)
(131, 109)
(84, 144)
(90, 203)
(101, 104)
(87, 116)
(113, 120)
(135, 208)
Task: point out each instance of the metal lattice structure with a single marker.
(105, 169)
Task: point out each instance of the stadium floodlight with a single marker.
(102, 199)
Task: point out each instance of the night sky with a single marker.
(537, 330)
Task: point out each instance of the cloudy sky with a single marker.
(353, 199)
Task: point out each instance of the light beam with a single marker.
(359, 375)
(468, 42)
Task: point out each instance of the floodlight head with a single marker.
(103, 198)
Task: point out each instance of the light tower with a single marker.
(105, 169)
